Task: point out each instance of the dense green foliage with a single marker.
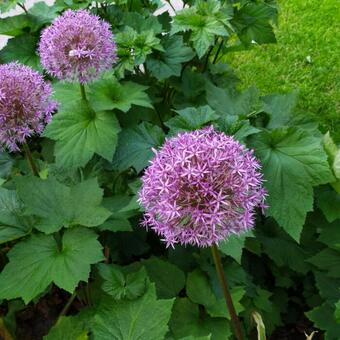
(74, 230)
(305, 58)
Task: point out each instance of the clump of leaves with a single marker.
(75, 228)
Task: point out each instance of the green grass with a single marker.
(307, 29)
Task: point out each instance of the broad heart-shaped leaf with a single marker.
(144, 318)
(59, 206)
(293, 162)
(234, 244)
(328, 200)
(80, 132)
(37, 262)
(169, 62)
(186, 321)
(23, 49)
(14, 25)
(135, 146)
(226, 102)
(237, 127)
(191, 118)
(12, 224)
(199, 291)
(323, 317)
(280, 107)
(6, 163)
(69, 328)
(65, 93)
(285, 253)
(109, 94)
(253, 23)
(330, 235)
(6, 5)
(122, 285)
(168, 278)
(328, 260)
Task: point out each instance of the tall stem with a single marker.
(68, 304)
(229, 302)
(82, 91)
(23, 7)
(30, 160)
(218, 51)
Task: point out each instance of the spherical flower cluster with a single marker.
(25, 104)
(201, 187)
(77, 46)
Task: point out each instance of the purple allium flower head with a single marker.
(201, 187)
(77, 46)
(25, 104)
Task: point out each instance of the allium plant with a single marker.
(25, 104)
(201, 187)
(77, 46)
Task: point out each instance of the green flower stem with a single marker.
(220, 272)
(30, 160)
(23, 7)
(68, 305)
(218, 51)
(82, 92)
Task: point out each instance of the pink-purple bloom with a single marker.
(200, 188)
(25, 104)
(77, 46)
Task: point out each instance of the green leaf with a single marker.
(328, 260)
(234, 244)
(12, 224)
(226, 102)
(43, 14)
(205, 20)
(280, 107)
(120, 286)
(135, 146)
(293, 162)
(6, 163)
(109, 94)
(37, 262)
(330, 235)
(323, 318)
(169, 62)
(22, 49)
(168, 278)
(237, 127)
(80, 132)
(253, 22)
(199, 291)
(186, 321)
(328, 287)
(68, 328)
(328, 201)
(191, 118)
(6, 5)
(337, 312)
(140, 23)
(144, 318)
(285, 253)
(14, 25)
(59, 206)
(142, 44)
(65, 93)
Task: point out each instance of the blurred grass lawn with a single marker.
(306, 57)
